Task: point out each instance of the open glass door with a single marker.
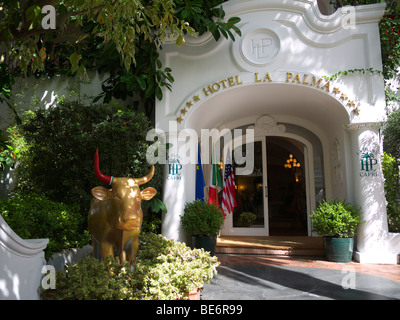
(287, 201)
(250, 216)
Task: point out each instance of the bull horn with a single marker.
(146, 178)
(102, 177)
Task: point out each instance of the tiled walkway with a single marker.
(391, 272)
(262, 277)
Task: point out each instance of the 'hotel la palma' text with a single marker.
(299, 78)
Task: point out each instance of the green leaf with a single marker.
(224, 33)
(234, 20)
(180, 40)
(101, 18)
(42, 54)
(237, 30)
(32, 12)
(142, 83)
(6, 34)
(127, 62)
(159, 94)
(9, 162)
(74, 59)
(127, 77)
(97, 98)
(157, 205)
(81, 71)
(185, 14)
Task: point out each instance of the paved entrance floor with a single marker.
(261, 277)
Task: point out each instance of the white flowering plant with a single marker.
(164, 270)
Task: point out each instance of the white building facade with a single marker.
(274, 80)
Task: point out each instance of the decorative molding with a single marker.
(269, 125)
(309, 11)
(336, 162)
(364, 126)
(13, 243)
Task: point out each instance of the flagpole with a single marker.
(216, 185)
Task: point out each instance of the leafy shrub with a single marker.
(8, 154)
(246, 219)
(391, 132)
(164, 269)
(33, 216)
(171, 274)
(202, 219)
(60, 144)
(336, 218)
(392, 191)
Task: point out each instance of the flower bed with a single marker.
(164, 269)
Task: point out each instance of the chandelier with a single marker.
(292, 164)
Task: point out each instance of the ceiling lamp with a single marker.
(292, 163)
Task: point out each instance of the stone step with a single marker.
(273, 245)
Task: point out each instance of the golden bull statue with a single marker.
(115, 215)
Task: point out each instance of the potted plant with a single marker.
(246, 219)
(202, 221)
(337, 222)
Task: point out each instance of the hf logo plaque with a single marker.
(174, 167)
(260, 46)
(368, 162)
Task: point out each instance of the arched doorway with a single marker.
(283, 188)
(304, 121)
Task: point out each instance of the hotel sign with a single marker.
(174, 167)
(294, 78)
(368, 163)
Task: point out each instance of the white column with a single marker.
(179, 184)
(372, 245)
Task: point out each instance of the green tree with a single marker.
(391, 133)
(390, 169)
(390, 166)
(59, 146)
(121, 37)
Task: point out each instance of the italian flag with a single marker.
(215, 183)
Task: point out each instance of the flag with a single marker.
(215, 182)
(200, 183)
(228, 194)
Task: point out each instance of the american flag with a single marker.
(228, 194)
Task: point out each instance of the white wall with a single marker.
(21, 263)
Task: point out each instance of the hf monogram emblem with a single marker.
(368, 162)
(174, 167)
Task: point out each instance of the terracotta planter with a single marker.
(194, 294)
